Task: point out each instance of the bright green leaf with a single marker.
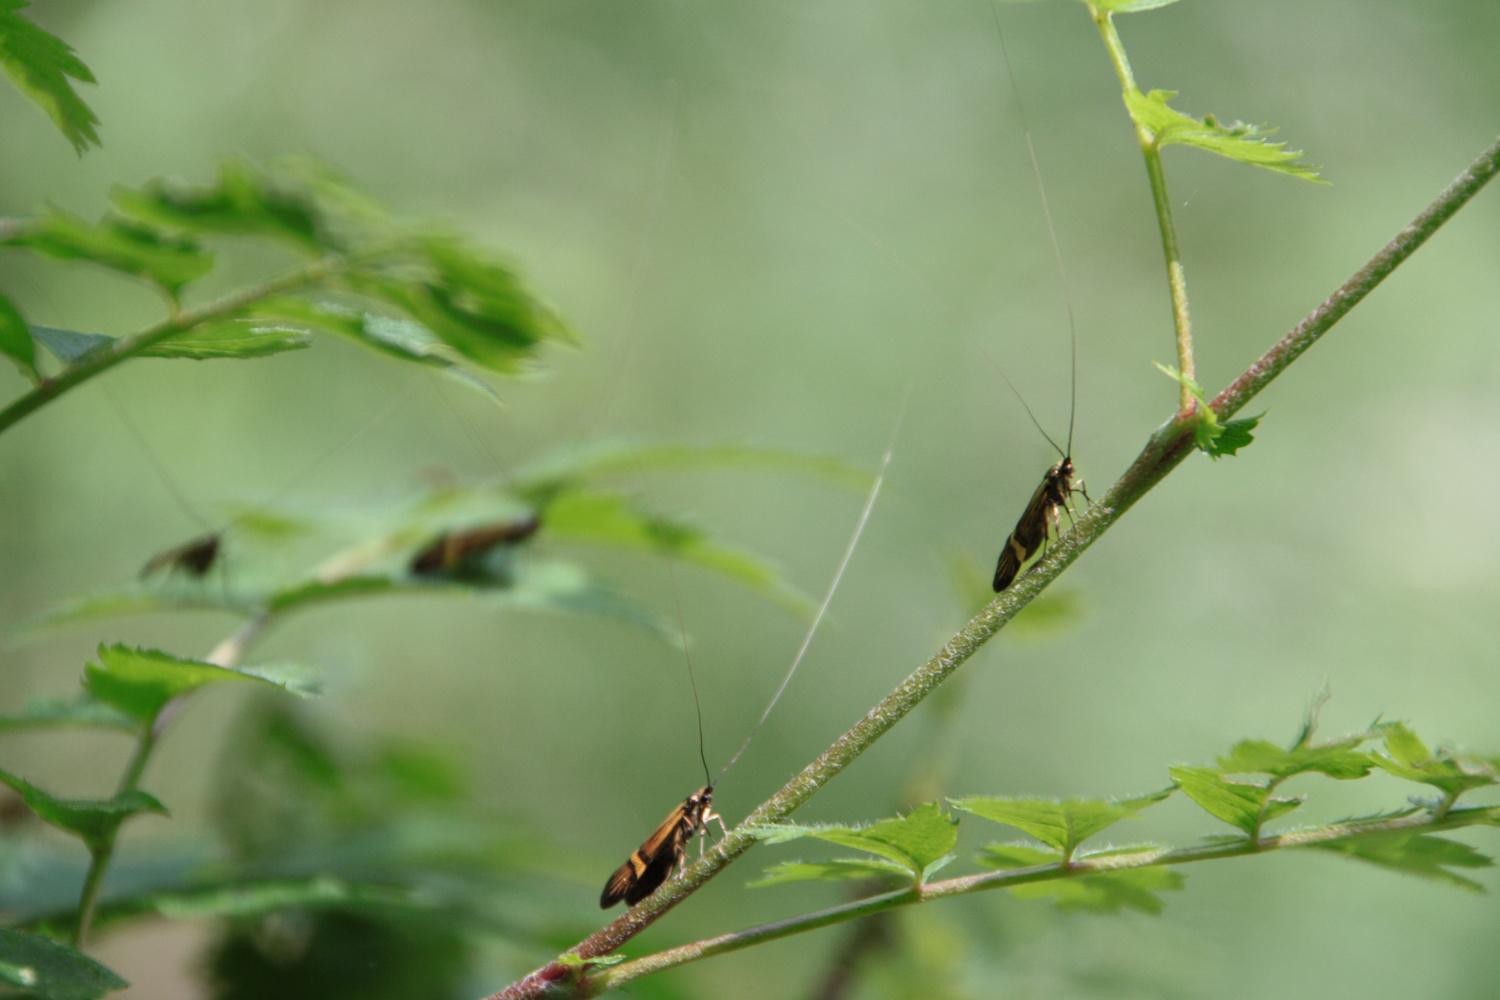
(1417, 854)
(92, 820)
(1237, 141)
(1240, 804)
(1234, 435)
(141, 681)
(1008, 856)
(1106, 892)
(51, 713)
(1060, 824)
(118, 244)
(1408, 757)
(1129, 6)
(1338, 759)
(46, 970)
(15, 336)
(917, 841)
(837, 870)
(40, 65)
(1213, 438)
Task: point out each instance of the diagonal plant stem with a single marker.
(126, 348)
(1164, 451)
(1336, 833)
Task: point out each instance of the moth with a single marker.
(665, 850)
(458, 553)
(1041, 514)
(194, 557)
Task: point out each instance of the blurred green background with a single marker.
(765, 219)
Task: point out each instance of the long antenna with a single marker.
(833, 586)
(168, 480)
(1062, 272)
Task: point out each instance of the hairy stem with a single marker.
(1147, 858)
(1182, 322)
(100, 361)
(1164, 451)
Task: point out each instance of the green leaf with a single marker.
(919, 841)
(1106, 892)
(15, 337)
(1417, 854)
(47, 970)
(1234, 435)
(243, 199)
(1407, 757)
(1337, 759)
(53, 713)
(141, 681)
(232, 338)
(40, 65)
(1129, 6)
(613, 519)
(1008, 856)
(1236, 141)
(118, 244)
(68, 346)
(92, 820)
(837, 870)
(1240, 804)
(1061, 824)
(1211, 437)
(320, 892)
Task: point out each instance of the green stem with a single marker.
(125, 348)
(619, 975)
(1176, 274)
(1164, 451)
(101, 853)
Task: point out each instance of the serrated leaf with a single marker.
(141, 681)
(92, 820)
(52, 713)
(1234, 435)
(15, 335)
(1237, 803)
(1410, 759)
(837, 870)
(917, 841)
(1338, 759)
(1417, 854)
(1238, 141)
(1061, 824)
(1106, 892)
(616, 520)
(41, 65)
(118, 244)
(1211, 437)
(46, 970)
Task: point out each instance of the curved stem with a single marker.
(1164, 451)
(1335, 833)
(125, 348)
(101, 853)
(1182, 322)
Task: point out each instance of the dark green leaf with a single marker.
(40, 65)
(141, 681)
(1240, 804)
(15, 336)
(244, 199)
(1061, 824)
(1408, 757)
(837, 870)
(118, 244)
(1245, 143)
(1106, 892)
(1416, 853)
(56, 712)
(1337, 759)
(92, 820)
(47, 970)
